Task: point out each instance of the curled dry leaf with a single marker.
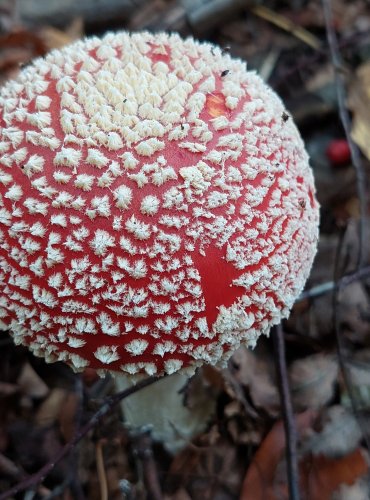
(353, 311)
(51, 407)
(259, 482)
(31, 384)
(359, 371)
(201, 392)
(192, 408)
(357, 491)
(249, 435)
(256, 372)
(208, 472)
(20, 46)
(16, 48)
(67, 416)
(338, 436)
(322, 476)
(313, 380)
(56, 39)
(351, 244)
(321, 81)
(359, 103)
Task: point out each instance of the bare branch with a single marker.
(330, 286)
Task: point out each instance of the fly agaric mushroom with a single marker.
(157, 208)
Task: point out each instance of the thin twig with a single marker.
(288, 415)
(109, 404)
(346, 123)
(287, 25)
(309, 61)
(101, 470)
(330, 286)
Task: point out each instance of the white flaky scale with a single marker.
(155, 210)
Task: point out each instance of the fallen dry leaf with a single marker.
(22, 38)
(51, 407)
(357, 491)
(339, 433)
(16, 48)
(354, 304)
(206, 472)
(31, 384)
(259, 482)
(321, 79)
(322, 476)
(359, 103)
(312, 380)
(256, 372)
(67, 416)
(56, 39)
(358, 367)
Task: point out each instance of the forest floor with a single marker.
(241, 452)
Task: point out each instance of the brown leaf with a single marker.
(67, 416)
(354, 304)
(359, 371)
(312, 380)
(206, 472)
(255, 371)
(214, 377)
(23, 38)
(339, 433)
(56, 39)
(322, 476)
(51, 407)
(359, 103)
(31, 384)
(18, 47)
(357, 491)
(260, 478)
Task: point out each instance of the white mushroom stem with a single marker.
(161, 406)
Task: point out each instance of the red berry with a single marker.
(338, 152)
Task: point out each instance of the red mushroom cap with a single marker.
(156, 205)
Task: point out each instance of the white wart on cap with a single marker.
(157, 208)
